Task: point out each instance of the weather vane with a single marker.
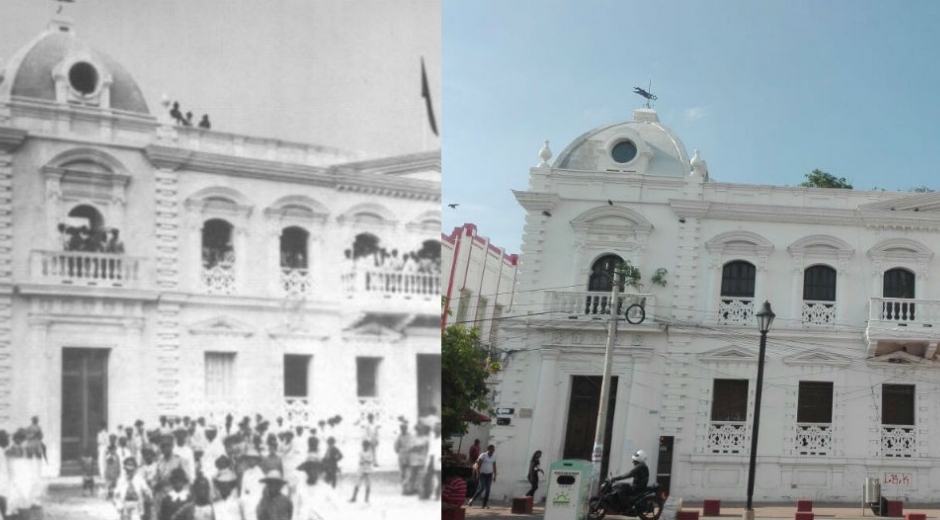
(646, 94)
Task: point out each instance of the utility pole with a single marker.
(599, 434)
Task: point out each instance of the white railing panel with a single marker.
(898, 441)
(819, 312)
(727, 437)
(83, 268)
(389, 282)
(736, 311)
(591, 304)
(813, 439)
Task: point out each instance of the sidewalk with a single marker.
(732, 510)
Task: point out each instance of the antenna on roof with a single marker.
(648, 94)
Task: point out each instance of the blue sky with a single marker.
(767, 91)
(330, 72)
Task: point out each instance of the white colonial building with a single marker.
(250, 275)
(478, 281)
(852, 376)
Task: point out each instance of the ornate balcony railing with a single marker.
(219, 279)
(389, 283)
(727, 437)
(297, 283)
(819, 312)
(736, 311)
(813, 439)
(898, 440)
(895, 311)
(298, 411)
(90, 269)
(587, 304)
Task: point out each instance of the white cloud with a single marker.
(694, 114)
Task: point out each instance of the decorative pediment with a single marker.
(900, 357)
(818, 358)
(822, 246)
(900, 249)
(299, 209)
(222, 326)
(739, 244)
(297, 331)
(732, 353)
(612, 220)
(384, 327)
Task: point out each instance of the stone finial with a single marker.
(545, 154)
(699, 166)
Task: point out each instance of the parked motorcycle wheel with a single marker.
(649, 508)
(596, 509)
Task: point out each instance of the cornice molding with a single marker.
(536, 201)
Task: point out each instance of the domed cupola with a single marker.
(642, 146)
(60, 68)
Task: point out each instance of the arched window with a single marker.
(819, 283)
(217, 243)
(602, 273)
(898, 283)
(365, 245)
(294, 248)
(737, 279)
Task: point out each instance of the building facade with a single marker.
(850, 379)
(478, 280)
(246, 275)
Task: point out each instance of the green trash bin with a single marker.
(569, 489)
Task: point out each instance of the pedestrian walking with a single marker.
(485, 471)
(366, 463)
(331, 461)
(534, 470)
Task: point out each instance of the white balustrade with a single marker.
(819, 312)
(84, 268)
(813, 439)
(219, 279)
(297, 283)
(736, 311)
(390, 282)
(588, 304)
(727, 437)
(893, 311)
(898, 440)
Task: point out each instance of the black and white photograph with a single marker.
(220, 260)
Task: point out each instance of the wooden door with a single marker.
(84, 403)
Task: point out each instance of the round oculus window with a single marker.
(83, 77)
(624, 152)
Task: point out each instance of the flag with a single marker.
(426, 94)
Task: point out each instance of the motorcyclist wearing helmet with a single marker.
(640, 475)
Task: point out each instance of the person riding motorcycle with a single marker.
(640, 475)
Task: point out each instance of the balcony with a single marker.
(901, 322)
(585, 305)
(86, 269)
(384, 287)
(219, 279)
(898, 441)
(297, 283)
(727, 437)
(813, 439)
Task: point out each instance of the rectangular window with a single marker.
(814, 404)
(220, 375)
(480, 321)
(730, 400)
(463, 305)
(494, 326)
(897, 404)
(296, 375)
(367, 376)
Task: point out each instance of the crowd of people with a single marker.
(90, 239)
(383, 260)
(21, 465)
(255, 470)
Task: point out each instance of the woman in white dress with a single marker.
(227, 506)
(314, 500)
(22, 475)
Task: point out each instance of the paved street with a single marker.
(64, 501)
(772, 511)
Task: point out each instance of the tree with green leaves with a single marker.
(921, 189)
(465, 366)
(820, 179)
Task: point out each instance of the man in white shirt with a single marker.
(485, 472)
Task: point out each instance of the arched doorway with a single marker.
(898, 283)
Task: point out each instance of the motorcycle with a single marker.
(645, 505)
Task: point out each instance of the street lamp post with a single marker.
(764, 319)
